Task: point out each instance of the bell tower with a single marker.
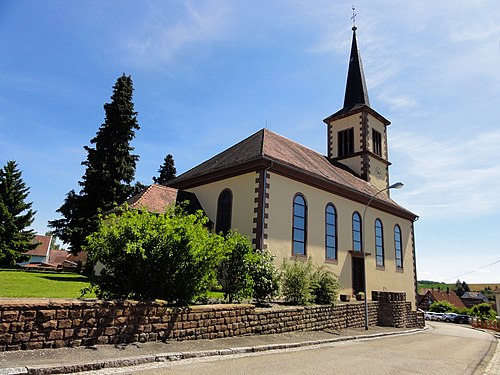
(357, 135)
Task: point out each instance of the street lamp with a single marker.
(397, 185)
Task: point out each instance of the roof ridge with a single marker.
(295, 143)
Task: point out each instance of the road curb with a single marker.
(177, 356)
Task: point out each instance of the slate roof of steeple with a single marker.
(356, 92)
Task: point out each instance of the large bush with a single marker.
(245, 272)
(303, 283)
(324, 285)
(296, 281)
(171, 256)
(483, 310)
(234, 269)
(265, 276)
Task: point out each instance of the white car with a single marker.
(437, 316)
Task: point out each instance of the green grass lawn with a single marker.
(33, 284)
(442, 286)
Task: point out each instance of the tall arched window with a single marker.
(224, 208)
(356, 232)
(299, 227)
(331, 232)
(379, 243)
(398, 247)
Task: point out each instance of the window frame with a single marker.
(399, 265)
(296, 229)
(377, 142)
(327, 235)
(345, 142)
(379, 243)
(220, 225)
(354, 230)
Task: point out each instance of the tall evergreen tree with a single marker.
(167, 171)
(16, 216)
(110, 170)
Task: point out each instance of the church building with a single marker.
(301, 204)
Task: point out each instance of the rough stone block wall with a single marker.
(38, 324)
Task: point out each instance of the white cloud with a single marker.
(164, 37)
(451, 177)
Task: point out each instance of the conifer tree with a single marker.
(16, 216)
(167, 171)
(110, 170)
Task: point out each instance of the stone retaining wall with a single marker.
(37, 324)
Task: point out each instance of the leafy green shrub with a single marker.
(245, 272)
(265, 277)
(484, 311)
(324, 285)
(296, 281)
(442, 307)
(169, 256)
(234, 269)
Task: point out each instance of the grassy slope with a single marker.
(23, 284)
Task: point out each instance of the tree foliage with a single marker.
(146, 256)
(461, 287)
(167, 171)
(110, 170)
(16, 216)
(442, 307)
(483, 310)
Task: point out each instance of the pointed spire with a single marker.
(355, 91)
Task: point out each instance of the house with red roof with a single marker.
(436, 295)
(299, 204)
(41, 253)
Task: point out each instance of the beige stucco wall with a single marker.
(243, 189)
(353, 121)
(379, 181)
(281, 193)
(374, 123)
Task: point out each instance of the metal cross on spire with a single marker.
(353, 18)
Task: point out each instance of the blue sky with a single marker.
(208, 73)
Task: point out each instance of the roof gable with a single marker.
(450, 296)
(43, 246)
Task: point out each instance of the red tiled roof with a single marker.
(155, 198)
(451, 297)
(57, 256)
(43, 246)
(81, 256)
(282, 153)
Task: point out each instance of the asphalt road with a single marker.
(444, 348)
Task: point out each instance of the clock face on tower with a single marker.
(378, 172)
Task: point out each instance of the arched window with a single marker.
(331, 232)
(398, 247)
(379, 243)
(224, 208)
(299, 231)
(356, 232)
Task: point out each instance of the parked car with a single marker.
(456, 318)
(437, 316)
(429, 315)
